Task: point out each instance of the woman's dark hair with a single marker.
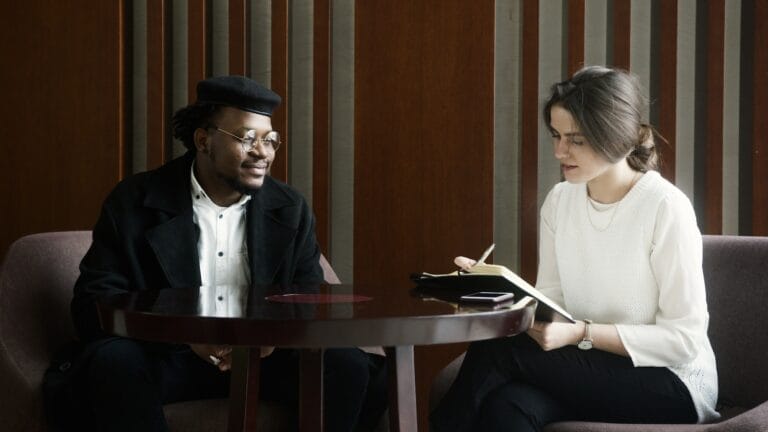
(186, 120)
(607, 105)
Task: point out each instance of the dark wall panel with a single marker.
(198, 45)
(280, 16)
(423, 143)
(665, 70)
(63, 98)
(529, 154)
(759, 116)
(321, 121)
(713, 215)
(575, 12)
(239, 60)
(158, 101)
(622, 22)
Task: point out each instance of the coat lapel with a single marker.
(174, 240)
(269, 236)
(175, 245)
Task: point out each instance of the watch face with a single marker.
(585, 345)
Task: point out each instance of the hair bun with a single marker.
(645, 137)
(645, 156)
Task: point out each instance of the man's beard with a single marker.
(239, 186)
(235, 182)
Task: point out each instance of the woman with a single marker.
(621, 251)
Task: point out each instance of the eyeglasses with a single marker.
(270, 141)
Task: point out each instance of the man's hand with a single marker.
(217, 355)
(221, 355)
(554, 335)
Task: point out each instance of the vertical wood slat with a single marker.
(575, 35)
(759, 116)
(713, 216)
(280, 15)
(158, 102)
(667, 85)
(746, 122)
(622, 20)
(197, 46)
(125, 101)
(239, 58)
(529, 134)
(321, 123)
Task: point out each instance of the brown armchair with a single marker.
(736, 276)
(36, 281)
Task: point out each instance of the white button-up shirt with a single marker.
(224, 270)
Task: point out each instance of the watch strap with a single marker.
(586, 341)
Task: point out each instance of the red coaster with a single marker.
(317, 298)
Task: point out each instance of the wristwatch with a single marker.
(586, 342)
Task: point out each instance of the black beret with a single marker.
(238, 92)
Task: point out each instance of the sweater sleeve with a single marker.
(681, 317)
(548, 277)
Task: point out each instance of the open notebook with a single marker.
(494, 277)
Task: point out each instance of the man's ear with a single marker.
(201, 140)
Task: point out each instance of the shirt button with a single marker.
(197, 196)
(221, 253)
(221, 216)
(220, 297)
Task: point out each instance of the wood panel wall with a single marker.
(529, 155)
(199, 44)
(63, 113)
(758, 11)
(713, 114)
(663, 115)
(158, 83)
(280, 15)
(622, 25)
(423, 143)
(321, 123)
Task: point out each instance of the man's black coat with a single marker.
(145, 239)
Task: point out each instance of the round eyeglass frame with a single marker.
(270, 141)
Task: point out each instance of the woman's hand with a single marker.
(464, 263)
(554, 335)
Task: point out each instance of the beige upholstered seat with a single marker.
(36, 281)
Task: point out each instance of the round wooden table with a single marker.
(310, 319)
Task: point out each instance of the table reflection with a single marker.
(276, 302)
(239, 304)
(222, 300)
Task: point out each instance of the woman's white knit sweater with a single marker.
(637, 264)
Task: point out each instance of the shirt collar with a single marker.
(198, 193)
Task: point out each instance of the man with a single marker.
(209, 218)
